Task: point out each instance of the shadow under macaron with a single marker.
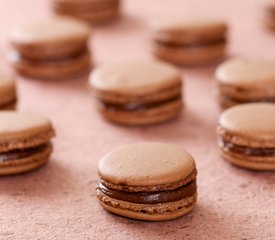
(45, 182)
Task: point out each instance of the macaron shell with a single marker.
(85, 5)
(191, 55)
(135, 77)
(25, 164)
(22, 130)
(85, 2)
(55, 69)
(96, 17)
(58, 29)
(247, 72)
(161, 95)
(167, 211)
(256, 163)
(146, 164)
(192, 26)
(255, 120)
(89, 11)
(155, 115)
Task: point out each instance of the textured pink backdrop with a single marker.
(58, 201)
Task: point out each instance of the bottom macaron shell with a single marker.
(55, 69)
(253, 163)
(191, 55)
(149, 212)
(25, 164)
(155, 115)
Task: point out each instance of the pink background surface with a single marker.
(59, 202)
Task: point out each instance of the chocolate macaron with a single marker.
(137, 92)
(245, 80)
(51, 49)
(24, 142)
(8, 97)
(147, 181)
(246, 135)
(92, 11)
(269, 14)
(189, 42)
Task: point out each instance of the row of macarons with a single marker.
(149, 181)
(58, 47)
(101, 11)
(140, 92)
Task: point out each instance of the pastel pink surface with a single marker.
(59, 202)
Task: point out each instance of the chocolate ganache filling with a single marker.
(22, 153)
(151, 197)
(135, 106)
(249, 151)
(195, 44)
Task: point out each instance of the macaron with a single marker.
(185, 41)
(24, 142)
(245, 80)
(147, 181)
(8, 96)
(269, 14)
(91, 11)
(246, 135)
(51, 49)
(137, 92)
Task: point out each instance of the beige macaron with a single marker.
(186, 41)
(51, 48)
(246, 135)
(245, 80)
(147, 181)
(8, 94)
(24, 142)
(91, 11)
(137, 92)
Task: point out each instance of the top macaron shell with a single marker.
(146, 164)
(134, 77)
(57, 37)
(183, 30)
(247, 72)
(18, 126)
(51, 30)
(253, 122)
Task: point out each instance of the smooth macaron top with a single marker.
(254, 120)
(7, 87)
(135, 77)
(195, 25)
(146, 164)
(19, 125)
(246, 72)
(57, 29)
